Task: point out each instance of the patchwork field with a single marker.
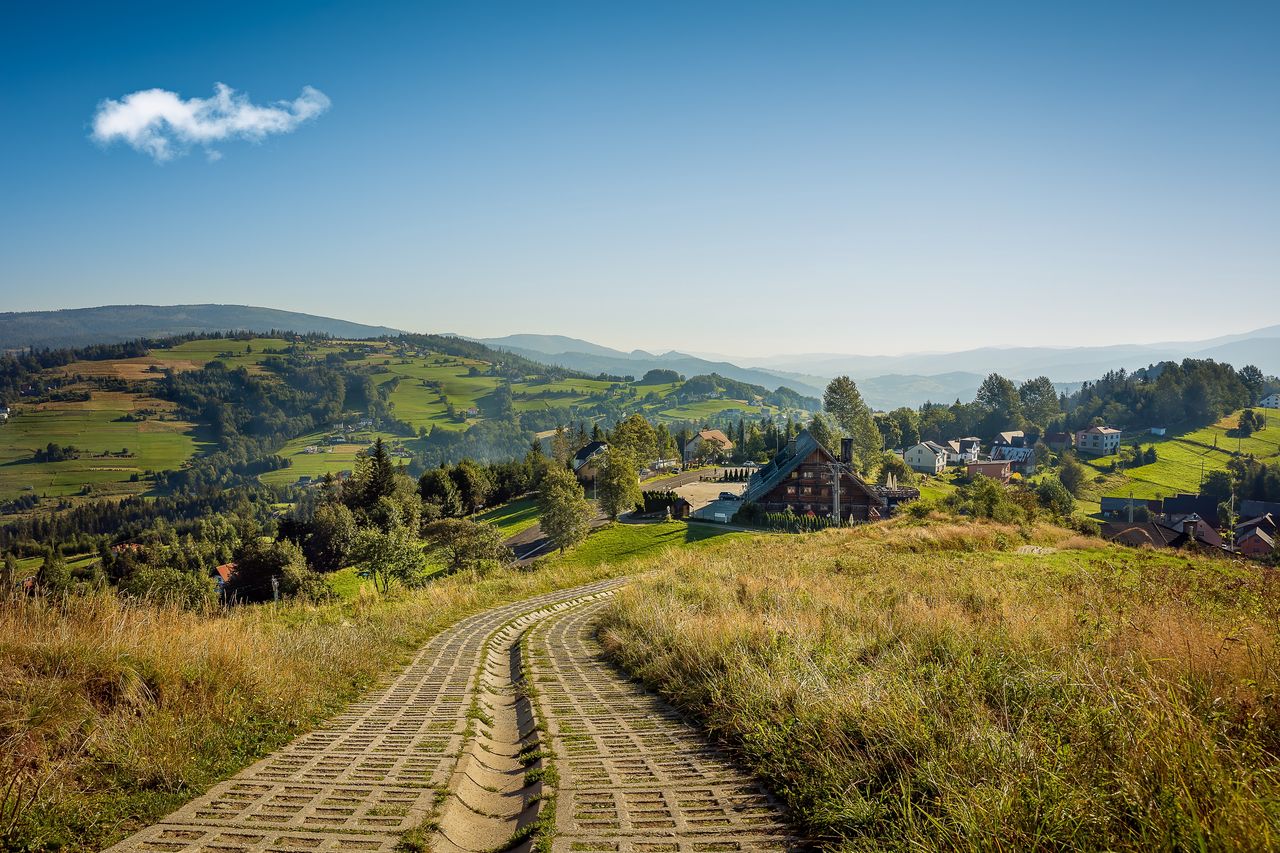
(96, 427)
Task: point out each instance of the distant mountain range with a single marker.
(886, 381)
(77, 327)
(594, 358)
(1067, 364)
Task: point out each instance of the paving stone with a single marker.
(634, 776)
(364, 777)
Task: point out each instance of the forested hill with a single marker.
(79, 327)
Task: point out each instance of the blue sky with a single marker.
(734, 177)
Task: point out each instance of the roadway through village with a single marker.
(506, 725)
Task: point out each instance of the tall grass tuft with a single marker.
(932, 688)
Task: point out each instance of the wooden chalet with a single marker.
(799, 478)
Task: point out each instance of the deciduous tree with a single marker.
(565, 510)
(843, 402)
(617, 482)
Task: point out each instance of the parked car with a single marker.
(730, 496)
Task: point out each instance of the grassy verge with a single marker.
(112, 713)
(513, 516)
(930, 688)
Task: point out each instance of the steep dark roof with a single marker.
(580, 458)
(1253, 509)
(1185, 504)
(786, 460)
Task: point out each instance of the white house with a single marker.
(4, 413)
(926, 457)
(962, 450)
(1271, 401)
(1098, 441)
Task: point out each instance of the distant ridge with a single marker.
(75, 327)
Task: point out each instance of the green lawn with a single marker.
(618, 543)
(512, 517)
(1183, 459)
(95, 427)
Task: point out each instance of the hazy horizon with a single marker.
(736, 178)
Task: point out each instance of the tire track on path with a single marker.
(634, 777)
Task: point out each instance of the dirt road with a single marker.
(461, 743)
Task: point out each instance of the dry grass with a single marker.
(112, 713)
(929, 688)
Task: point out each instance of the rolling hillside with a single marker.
(1183, 460)
(77, 327)
(121, 433)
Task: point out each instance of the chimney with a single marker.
(846, 450)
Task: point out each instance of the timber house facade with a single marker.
(799, 478)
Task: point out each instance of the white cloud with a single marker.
(164, 125)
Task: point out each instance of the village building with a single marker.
(1098, 441)
(1256, 543)
(1059, 441)
(1010, 438)
(1119, 507)
(1253, 509)
(1022, 460)
(926, 458)
(586, 462)
(707, 443)
(962, 450)
(1181, 505)
(801, 476)
(1000, 469)
(1189, 533)
(1271, 401)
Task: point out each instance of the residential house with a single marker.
(1256, 543)
(1253, 509)
(1118, 507)
(707, 444)
(1022, 460)
(1059, 441)
(800, 478)
(1182, 505)
(962, 450)
(1256, 537)
(473, 412)
(926, 457)
(1189, 533)
(1098, 441)
(999, 469)
(586, 461)
(1157, 430)
(1010, 438)
(1271, 401)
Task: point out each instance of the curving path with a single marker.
(464, 743)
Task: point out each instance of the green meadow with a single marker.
(1184, 459)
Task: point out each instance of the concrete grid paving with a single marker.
(633, 776)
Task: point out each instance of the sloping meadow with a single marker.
(953, 686)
